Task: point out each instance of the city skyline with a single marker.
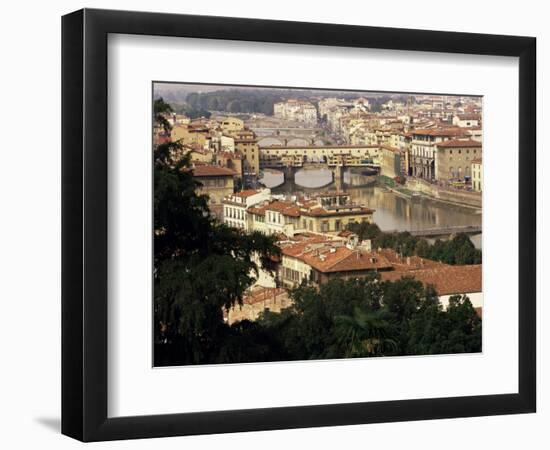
(369, 193)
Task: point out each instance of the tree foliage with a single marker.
(200, 265)
(235, 101)
(364, 318)
(457, 250)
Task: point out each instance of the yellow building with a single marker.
(332, 220)
(231, 125)
(200, 155)
(247, 145)
(477, 174)
(328, 213)
(217, 182)
(190, 135)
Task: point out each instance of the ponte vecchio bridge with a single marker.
(290, 159)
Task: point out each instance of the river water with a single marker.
(392, 212)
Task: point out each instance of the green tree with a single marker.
(200, 265)
(365, 333)
(365, 230)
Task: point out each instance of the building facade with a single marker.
(296, 110)
(216, 182)
(477, 174)
(453, 161)
(247, 145)
(235, 206)
(423, 147)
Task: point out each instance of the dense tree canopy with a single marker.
(458, 250)
(235, 101)
(200, 265)
(363, 318)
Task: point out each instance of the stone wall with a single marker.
(274, 299)
(467, 198)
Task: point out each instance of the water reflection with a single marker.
(392, 211)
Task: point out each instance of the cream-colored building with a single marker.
(467, 120)
(235, 206)
(423, 147)
(390, 161)
(231, 125)
(296, 110)
(328, 213)
(274, 217)
(477, 174)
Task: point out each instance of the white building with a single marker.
(467, 120)
(235, 205)
(296, 110)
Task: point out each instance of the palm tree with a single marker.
(365, 333)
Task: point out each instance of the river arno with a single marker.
(392, 211)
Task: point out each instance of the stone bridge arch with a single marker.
(291, 141)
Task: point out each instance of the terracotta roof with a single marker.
(319, 211)
(211, 171)
(408, 263)
(285, 208)
(346, 233)
(469, 116)
(477, 161)
(458, 143)
(247, 193)
(343, 259)
(327, 257)
(441, 131)
(319, 147)
(447, 280)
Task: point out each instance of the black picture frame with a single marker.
(84, 224)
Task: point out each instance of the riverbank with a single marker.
(469, 199)
(419, 188)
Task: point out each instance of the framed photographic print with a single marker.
(273, 224)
